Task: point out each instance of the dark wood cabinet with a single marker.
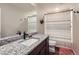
(42, 48)
(42, 52)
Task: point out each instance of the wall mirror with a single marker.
(17, 18)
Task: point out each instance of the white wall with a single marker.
(11, 20)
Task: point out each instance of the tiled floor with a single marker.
(62, 51)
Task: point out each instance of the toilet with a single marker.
(52, 45)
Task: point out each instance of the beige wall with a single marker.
(40, 27)
(76, 33)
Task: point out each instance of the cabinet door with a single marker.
(36, 51)
(43, 51)
(39, 49)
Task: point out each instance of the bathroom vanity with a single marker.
(38, 44)
(41, 49)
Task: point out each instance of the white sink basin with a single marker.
(29, 42)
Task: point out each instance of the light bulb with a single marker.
(57, 9)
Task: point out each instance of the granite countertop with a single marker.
(15, 48)
(4, 38)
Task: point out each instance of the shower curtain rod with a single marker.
(58, 12)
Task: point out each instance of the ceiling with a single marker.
(25, 6)
(34, 6)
